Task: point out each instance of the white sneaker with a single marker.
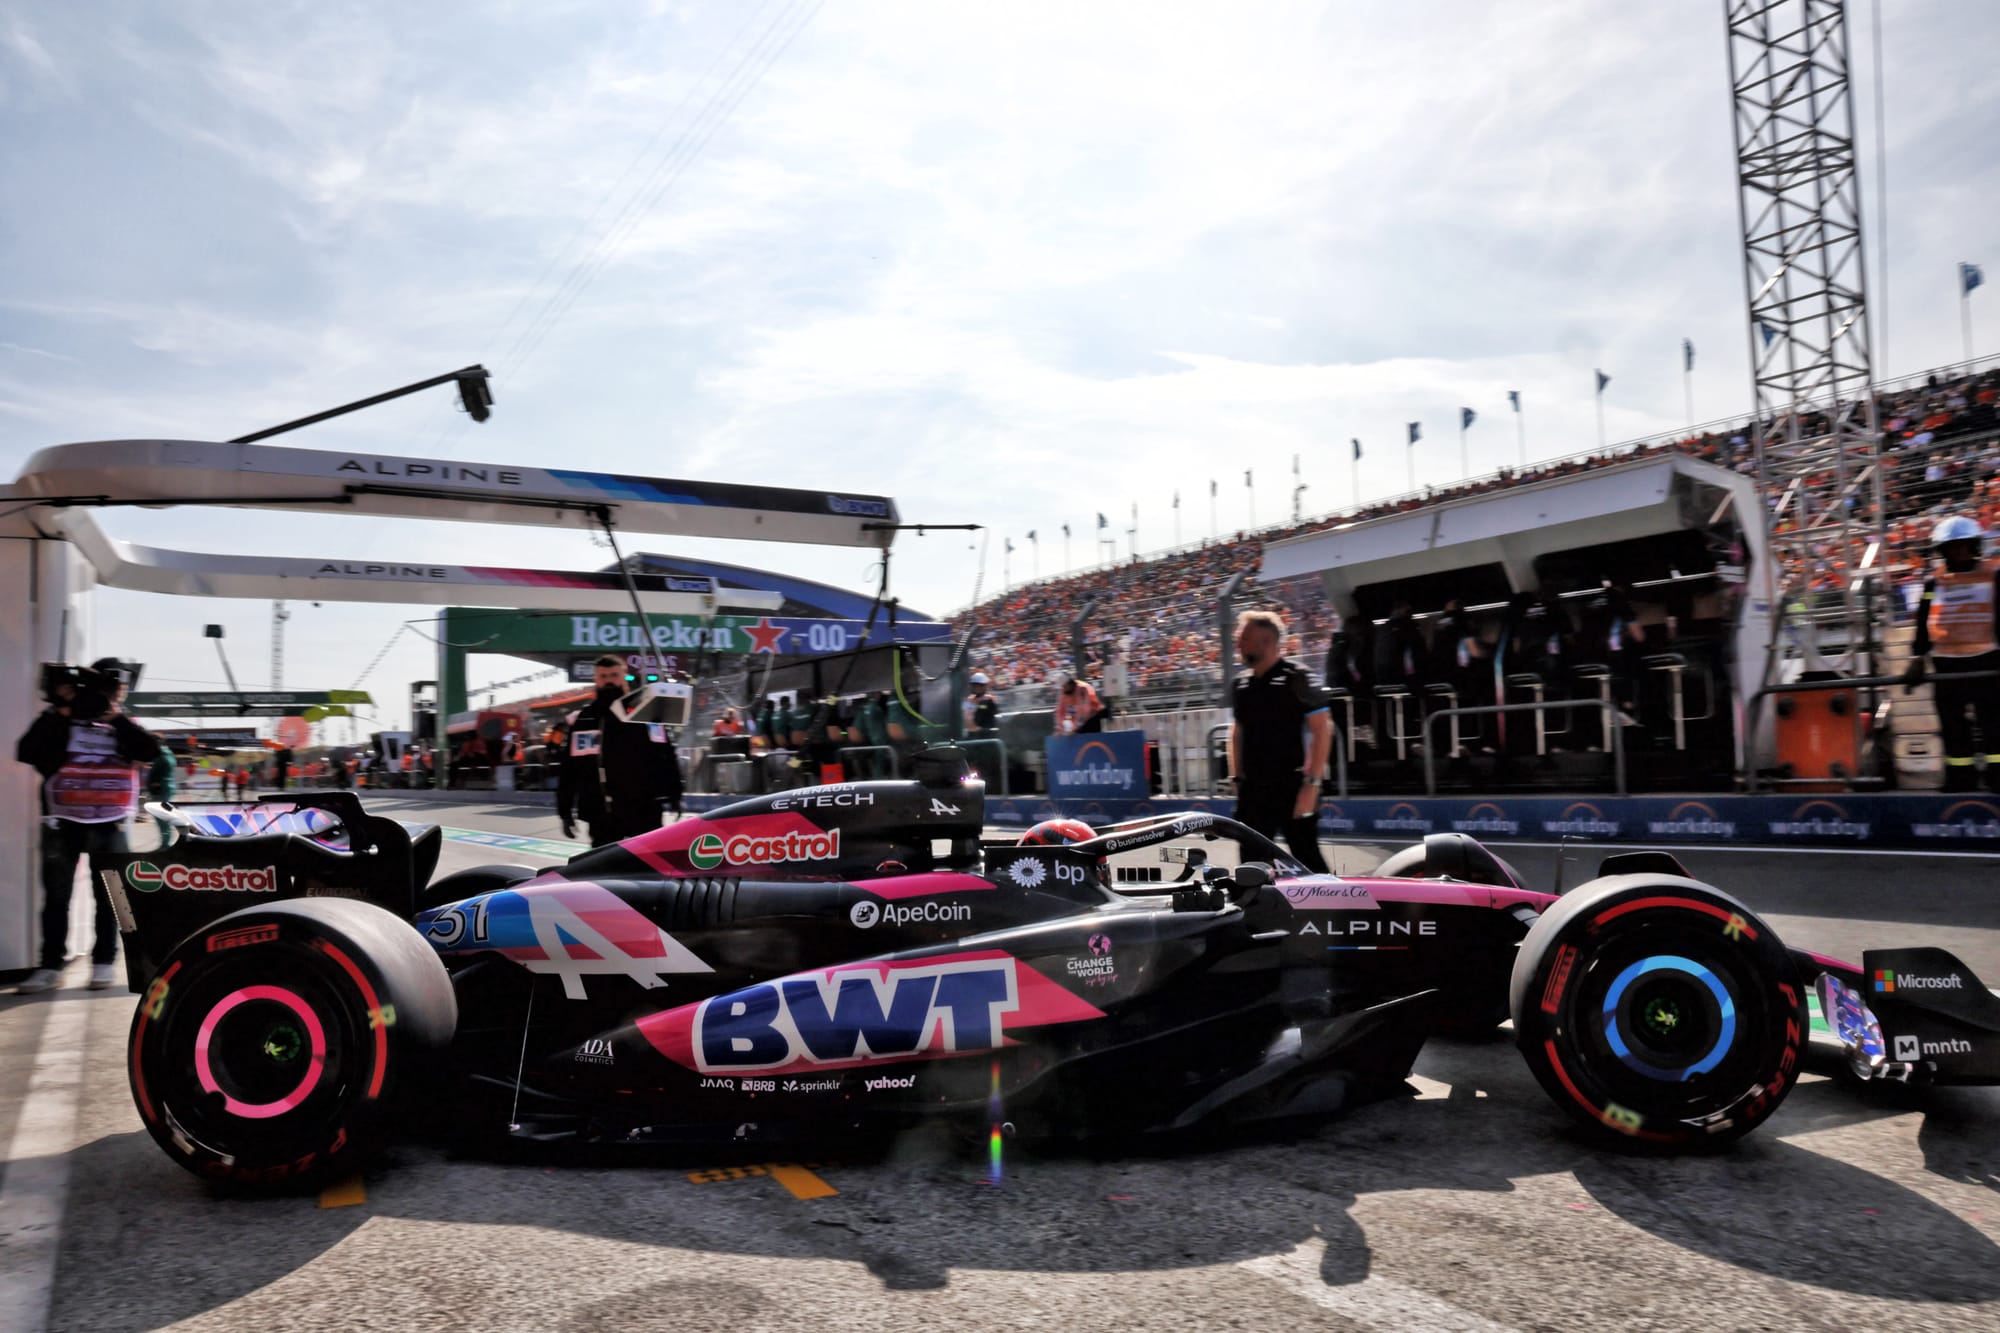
(103, 976)
(39, 980)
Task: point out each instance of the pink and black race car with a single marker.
(833, 961)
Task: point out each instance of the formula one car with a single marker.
(834, 960)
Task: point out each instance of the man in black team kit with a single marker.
(1279, 740)
(615, 775)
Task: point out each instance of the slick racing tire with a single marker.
(272, 1049)
(463, 884)
(1659, 1012)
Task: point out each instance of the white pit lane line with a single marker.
(1374, 1302)
(37, 1166)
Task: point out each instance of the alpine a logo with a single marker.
(709, 851)
(844, 1016)
(145, 877)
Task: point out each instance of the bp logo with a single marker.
(1027, 872)
(705, 852)
(144, 876)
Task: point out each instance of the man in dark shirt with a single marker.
(92, 759)
(615, 775)
(1279, 739)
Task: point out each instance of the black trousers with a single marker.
(619, 824)
(1268, 810)
(63, 842)
(1956, 698)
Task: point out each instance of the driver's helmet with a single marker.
(1058, 833)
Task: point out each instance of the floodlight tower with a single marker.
(1799, 199)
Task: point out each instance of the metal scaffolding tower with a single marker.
(1799, 199)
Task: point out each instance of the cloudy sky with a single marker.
(1012, 264)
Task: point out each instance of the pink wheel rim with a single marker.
(307, 1082)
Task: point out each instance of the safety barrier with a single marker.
(847, 764)
(1000, 747)
(1609, 709)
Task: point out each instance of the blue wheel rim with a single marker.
(1725, 1005)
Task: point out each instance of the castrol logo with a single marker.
(147, 877)
(709, 851)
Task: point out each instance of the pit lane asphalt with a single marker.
(1467, 1205)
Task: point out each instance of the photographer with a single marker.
(92, 759)
(615, 775)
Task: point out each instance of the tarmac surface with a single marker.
(1466, 1205)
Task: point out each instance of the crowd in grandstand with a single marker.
(1940, 455)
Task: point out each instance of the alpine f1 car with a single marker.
(834, 960)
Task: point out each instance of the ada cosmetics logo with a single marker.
(1097, 969)
(146, 877)
(596, 1051)
(865, 915)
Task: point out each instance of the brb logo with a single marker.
(709, 851)
(846, 1016)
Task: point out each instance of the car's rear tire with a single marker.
(1659, 1011)
(273, 1047)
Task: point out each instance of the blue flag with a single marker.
(1466, 416)
(1065, 531)
(1766, 331)
(1969, 277)
(1602, 380)
(1416, 432)
(1357, 451)
(1031, 536)
(1687, 352)
(1514, 397)
(1101, 523)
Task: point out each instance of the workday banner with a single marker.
(1092, 767)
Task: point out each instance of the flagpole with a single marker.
(1600, 418)
(1464, 458)
(1356, 463)
(1687, 383)
(1410, 452)
(1521, 433)
(1214, 523)
(1965, 315)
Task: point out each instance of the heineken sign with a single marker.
(789, 636)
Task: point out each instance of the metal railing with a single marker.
(1339, 748)
(1612, 713)
(895, 766)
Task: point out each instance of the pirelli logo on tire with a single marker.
(145, 877)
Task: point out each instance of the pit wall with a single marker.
(1924, 821)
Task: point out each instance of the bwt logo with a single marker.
(845, 1016)
(1584, 820)
(1083, 773)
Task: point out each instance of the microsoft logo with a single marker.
(1885, 982)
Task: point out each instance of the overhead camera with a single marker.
(87, 692)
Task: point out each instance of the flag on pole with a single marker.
(1687, 353)
(1177, 499)
(1357, 451)
(1065, 532)
(1211, 488)
(1246, 476)
(1101, 521)
(1010, 546)
(1514, 399)
(1466, 416)
(1969, 277)
(1031, 534)
(1767, 331)
(1602, 380)
(1416, 432)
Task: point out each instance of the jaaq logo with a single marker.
(146, 877)
(709, 851)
